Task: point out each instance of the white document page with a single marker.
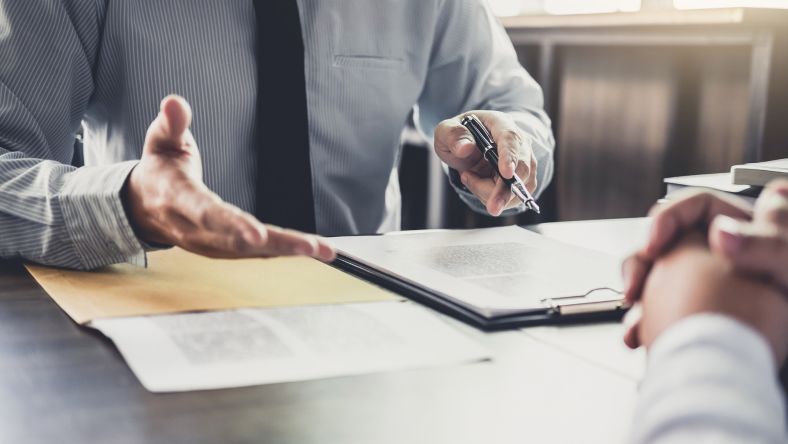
(220, 349)
(493, 271)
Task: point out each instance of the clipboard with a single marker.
(559, 311)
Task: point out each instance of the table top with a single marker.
(60, 382)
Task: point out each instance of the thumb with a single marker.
(170, 129)
(454, 140)
(177, 115)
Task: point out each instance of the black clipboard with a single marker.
(569, 311)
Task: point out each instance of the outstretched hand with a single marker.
(168, 203)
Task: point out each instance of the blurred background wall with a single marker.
(638, 91)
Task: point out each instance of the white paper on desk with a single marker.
(221, 349)
(493, 271)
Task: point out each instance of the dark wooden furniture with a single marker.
(67, 384)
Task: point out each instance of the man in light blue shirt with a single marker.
(366, 67)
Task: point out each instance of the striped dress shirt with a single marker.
(105, 65)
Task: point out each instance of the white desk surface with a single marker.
(570, 384)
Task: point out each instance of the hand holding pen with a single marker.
(489, 150)
(488, 179)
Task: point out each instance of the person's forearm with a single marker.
(710, 379)
(51, 212)
(56, 214)
(475, 67)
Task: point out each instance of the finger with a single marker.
(177, 115)
(218, 245)
(632, 326)
(206, 211)
(772, 205)
(500, 197)
(532, 182)
(197, 209)
(481, 187)
(511, 151)
(761, 250)
(325, 252)
(528, 175)
(635, 270)
(170, 129)
(779, 186)
(510, 142)
(694, 210)
(286, 242)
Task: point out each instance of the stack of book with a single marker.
(744, 181)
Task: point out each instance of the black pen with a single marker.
(489, 149)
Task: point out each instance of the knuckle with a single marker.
(781, 245)
(204, 217)
(236, 242)
(779, 185)
(160, 204)
(149, 133)
(755, 246)
(457, 132)
(777, 216)
(179, 236)
(512, 138)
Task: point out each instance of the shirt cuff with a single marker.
(95, 218)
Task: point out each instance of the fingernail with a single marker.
(730, 234)
(464, 179)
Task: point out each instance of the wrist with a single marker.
(134, 207)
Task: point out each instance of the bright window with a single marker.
(518, 7)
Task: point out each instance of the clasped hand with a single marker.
(747, 243)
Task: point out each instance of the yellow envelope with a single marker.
(179, 281)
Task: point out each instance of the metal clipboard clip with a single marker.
(595, 301)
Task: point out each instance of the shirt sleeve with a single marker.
(51, 212)
(710, 379)
(474, 66)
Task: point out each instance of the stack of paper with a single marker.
(260, 346)
(310, 321)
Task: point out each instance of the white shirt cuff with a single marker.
(95, 218)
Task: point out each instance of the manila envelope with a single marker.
(178, 281)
